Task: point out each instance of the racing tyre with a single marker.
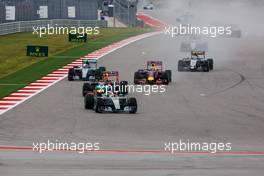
(180, 65)
(211, 64)
(165, 78)
(137, 76)
(87, 87)
(89, 102)
(132, 103)
(98, 74)
(98, 106)
(123, 87)
(169, 74)
(206, 67)
(89, 73)
(71, 74)
(102, 69)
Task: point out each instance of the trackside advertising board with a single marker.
(76, 37)
(37, 51)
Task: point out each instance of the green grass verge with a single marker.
(18, 70)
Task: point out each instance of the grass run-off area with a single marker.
(17, 70)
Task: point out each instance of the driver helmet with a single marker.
(153, 66)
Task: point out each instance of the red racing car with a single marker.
(153, 74)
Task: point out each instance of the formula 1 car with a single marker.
(195, 43)
(185, 19)
(87, 71)
(196, 62)
(236, 32)
(109, 97)
(153, 74)
(148, 7)
(110, 78)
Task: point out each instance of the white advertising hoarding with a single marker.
(43, 12)
(10, 13)
(71, 12)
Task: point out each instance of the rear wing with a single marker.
(107, 75)
(111, 73)
(154, 65)
(89, 61)
(198, 53)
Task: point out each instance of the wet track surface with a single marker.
(225, 105)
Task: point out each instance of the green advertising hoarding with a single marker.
(37, 51)
(76, 37)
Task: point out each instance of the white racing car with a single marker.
(88, 71)
(148, 7)
(195, 43)
(185, 19)
(196, 62)
(110, 96)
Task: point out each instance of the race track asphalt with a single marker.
(225, 105)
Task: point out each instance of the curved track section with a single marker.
(225, 105)
(235, 115)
